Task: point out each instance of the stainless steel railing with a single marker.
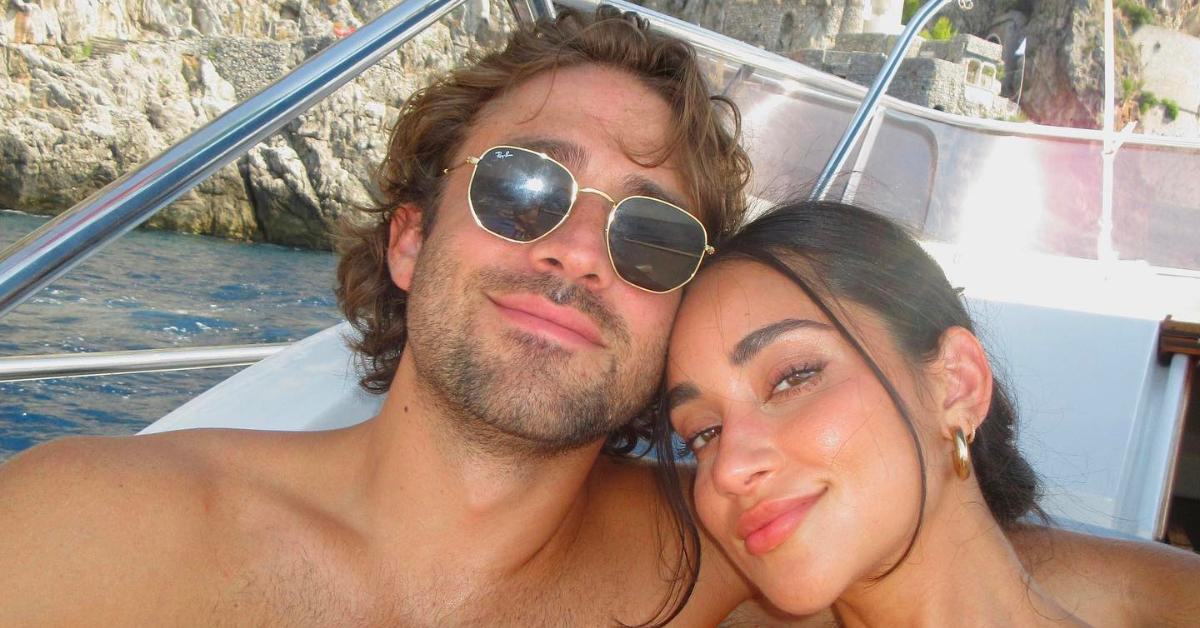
(31, 367)
(727, 46)
(870, 103)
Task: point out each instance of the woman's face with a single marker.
(806, 472)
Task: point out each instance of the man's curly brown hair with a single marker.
(436, 120)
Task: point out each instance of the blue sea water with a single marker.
(149, 290)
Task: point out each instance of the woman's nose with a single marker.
(746, 455)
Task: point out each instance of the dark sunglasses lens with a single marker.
(655, 245)
(518, 194)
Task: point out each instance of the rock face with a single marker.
(1060, 79)
(91, 88)
(1169, 61)
(1064, 66)
(1177, 15)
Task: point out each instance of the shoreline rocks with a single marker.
(91, 90)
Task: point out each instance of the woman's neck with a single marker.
(962, 570)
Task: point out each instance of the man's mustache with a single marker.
(557, 291)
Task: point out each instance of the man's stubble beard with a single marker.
(527, 396)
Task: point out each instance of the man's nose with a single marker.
(577, 249)
(747, 455)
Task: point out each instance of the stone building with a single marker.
(851, 39)
(962, 75)
(785, 26)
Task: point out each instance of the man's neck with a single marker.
(424, 489)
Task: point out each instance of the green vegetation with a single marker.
(1170, 109)
(942, 30)
(1128, 86)
(83, 52)
(1146, 101)
(1137, 14)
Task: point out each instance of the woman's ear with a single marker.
(966, 390)
(404, 243)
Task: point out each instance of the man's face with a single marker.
(542, 341)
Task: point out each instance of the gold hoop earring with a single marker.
(962, 455)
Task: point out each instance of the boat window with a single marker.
(1156, 205)
(1036, 76)
(992, 136)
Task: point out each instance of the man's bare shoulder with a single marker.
(128, 515)
(98, 475)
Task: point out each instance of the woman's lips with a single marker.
(538, 315)
(769, 524)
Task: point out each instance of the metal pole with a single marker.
(864, 155)
(866, 110)
(1104, 244)
(32, 367)
(46, 254)
(530, 11)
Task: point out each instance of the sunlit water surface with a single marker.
(151, 290)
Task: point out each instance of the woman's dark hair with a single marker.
(839, 254)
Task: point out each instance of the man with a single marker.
(517, 322)
(476, 497)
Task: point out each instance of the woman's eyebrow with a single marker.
(681, 394)
(758, 339)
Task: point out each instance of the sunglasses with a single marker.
(522, 196)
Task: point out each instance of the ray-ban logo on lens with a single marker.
(503, 154)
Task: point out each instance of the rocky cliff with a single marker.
(1064, 66)
(91, 88)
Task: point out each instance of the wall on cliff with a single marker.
(1063, 80)
(91, 88)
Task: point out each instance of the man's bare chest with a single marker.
(303, 589)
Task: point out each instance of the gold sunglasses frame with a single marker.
(575, 191)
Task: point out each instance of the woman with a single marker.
(853, 448)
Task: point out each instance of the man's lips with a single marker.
(769, 524)
(541, 316)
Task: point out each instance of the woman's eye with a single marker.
(796, 377)
(703, 437)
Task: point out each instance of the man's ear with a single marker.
(966, 382)
(404, 243)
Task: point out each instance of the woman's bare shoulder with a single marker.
(1103, 580)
